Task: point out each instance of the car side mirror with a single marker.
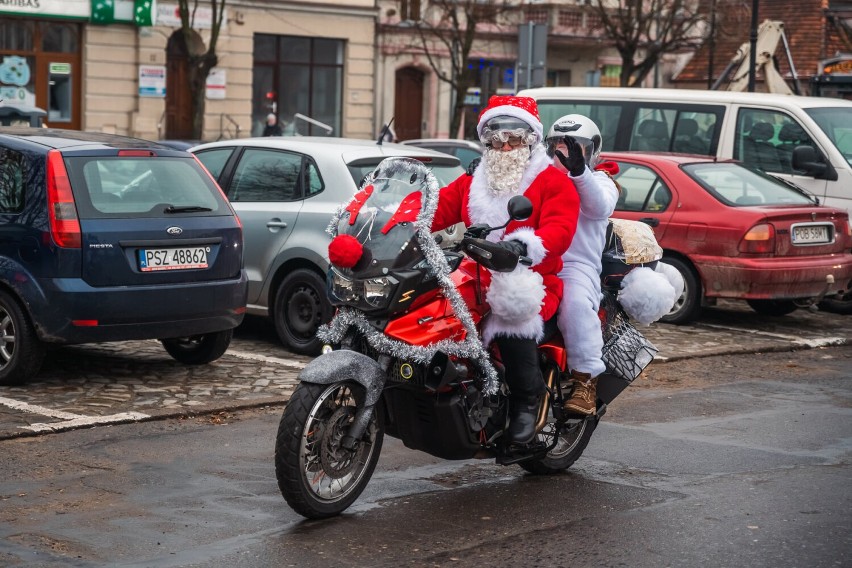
(805, 159)
(520, 208)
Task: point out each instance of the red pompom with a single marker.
(609, 167)
(345, 251)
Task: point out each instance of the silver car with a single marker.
(285, 190)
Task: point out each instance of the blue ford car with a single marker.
(108, 238)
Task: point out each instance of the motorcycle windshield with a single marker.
(383, 216)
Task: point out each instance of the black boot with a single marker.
(522, 418)
(523, 375)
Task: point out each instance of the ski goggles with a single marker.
(515, 138)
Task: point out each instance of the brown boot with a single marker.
(583, 399)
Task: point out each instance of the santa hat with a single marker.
(522, 108)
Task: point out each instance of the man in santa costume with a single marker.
(515, 163)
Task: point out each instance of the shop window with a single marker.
(58, 38)
(298, 76)
(16, 35)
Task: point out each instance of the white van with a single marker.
(807, 140)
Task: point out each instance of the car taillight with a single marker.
(760, 239)
(61, 209)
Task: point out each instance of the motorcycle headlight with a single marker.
(377, 291)
(342, 287)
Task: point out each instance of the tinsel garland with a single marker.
(471, 347)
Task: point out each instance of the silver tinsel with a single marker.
(471, 347)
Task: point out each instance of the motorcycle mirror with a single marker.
(520, 208)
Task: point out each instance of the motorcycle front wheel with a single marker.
(317, 476)
(573, 439)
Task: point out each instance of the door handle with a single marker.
(650, 221)
(281, 224)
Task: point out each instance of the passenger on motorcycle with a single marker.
(515, 163)
(574, 142)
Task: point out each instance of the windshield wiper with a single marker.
(185, 209)
(794, 187)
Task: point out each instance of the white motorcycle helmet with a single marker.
(581, 129)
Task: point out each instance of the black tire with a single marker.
(688, 306)
(773, 307)
(21, 351)
(309, 460)
(840, 304)
(572, 443)
(301, 306)
(198, 349)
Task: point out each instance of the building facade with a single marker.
(312, 63)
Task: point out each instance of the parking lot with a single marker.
(90, 385)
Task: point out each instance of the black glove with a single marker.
(574, 162)
(473, 165)
(516, 247)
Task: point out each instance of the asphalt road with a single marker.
(90, 385)
(735, 460)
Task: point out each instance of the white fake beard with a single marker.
(504, 170)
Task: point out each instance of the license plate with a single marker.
(183, 258)
(810, 234)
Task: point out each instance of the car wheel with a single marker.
(839, 304)
(688, 306)
(301, 306)
(773, 307)
(198, 349)
(21, 351)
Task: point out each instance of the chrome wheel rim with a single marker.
(7, 338)
(330, 472)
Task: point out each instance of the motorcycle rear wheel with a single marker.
(316, 475)
(572, 442)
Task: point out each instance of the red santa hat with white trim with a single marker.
(522, 108)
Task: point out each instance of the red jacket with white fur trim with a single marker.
(547, 233)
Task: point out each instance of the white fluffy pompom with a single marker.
(646, 295)
(516, 295)
(674, 276)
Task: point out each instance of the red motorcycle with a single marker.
(404, 355)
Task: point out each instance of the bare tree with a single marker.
(447, 32)
(200, 60)
(644, 30)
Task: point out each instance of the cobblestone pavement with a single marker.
(136, 380)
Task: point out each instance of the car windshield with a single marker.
(836, 122)
(740, 186)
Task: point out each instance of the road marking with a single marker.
(34, 409)
(83, 421)
(266, 359)
(816, 342)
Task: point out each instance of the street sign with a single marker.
(532, 55)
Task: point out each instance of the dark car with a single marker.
(107, 238)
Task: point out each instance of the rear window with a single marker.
(444, 173)
(115, 186)
(739, 186)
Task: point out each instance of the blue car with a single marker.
(108, 238)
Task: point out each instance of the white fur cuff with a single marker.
(535, 248)
(516, 295)
(532, 328)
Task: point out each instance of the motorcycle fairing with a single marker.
(392, 174)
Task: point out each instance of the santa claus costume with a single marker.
(515, 163)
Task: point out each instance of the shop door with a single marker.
(178, 95)
(408, 104)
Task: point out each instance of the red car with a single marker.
(734, 232)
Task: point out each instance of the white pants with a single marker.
(578, 320)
